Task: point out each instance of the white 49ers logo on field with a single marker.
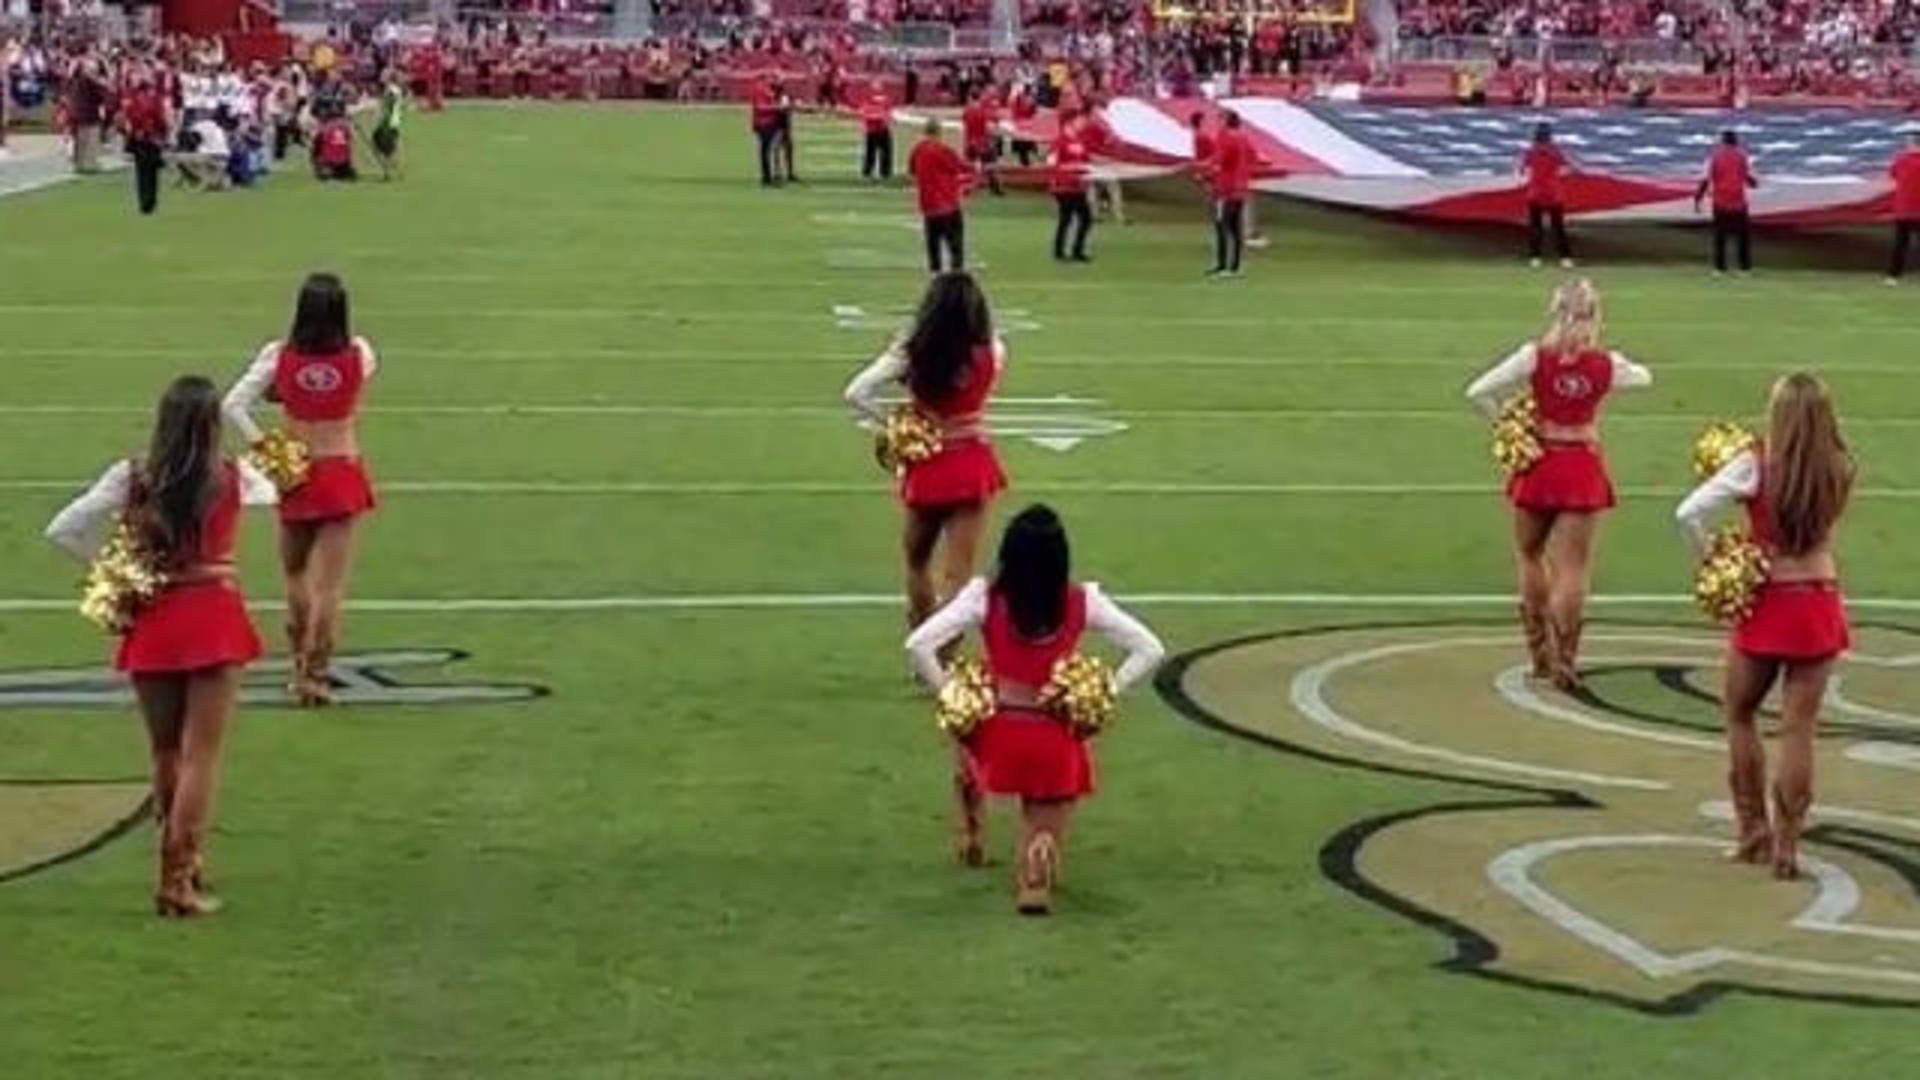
(317, 378)
(1572, 385)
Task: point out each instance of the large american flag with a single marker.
(1815, 165)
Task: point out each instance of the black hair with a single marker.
(952, 322)
(1730, 137)
(1233, 119)
(1543, 132)
(1032, 576)
(320, 318)
(175, 487)
(1197, 119)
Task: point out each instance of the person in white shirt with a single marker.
(1794, 488)
(1029, 617)
(205, 166)
(1557, 502)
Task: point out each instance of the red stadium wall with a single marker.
(250, 30)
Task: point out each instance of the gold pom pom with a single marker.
(1082, 693)
(966, 700)
(1719, 443)
(122, 579)
(1516, 437)
(908, 438)
(281, 458)
(1730, 576)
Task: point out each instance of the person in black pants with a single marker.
(1067, 177)
(146, 117)
(940, 178)
(1542, 165)
(1729, 175)
(876, 118)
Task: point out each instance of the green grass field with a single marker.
(719, 847)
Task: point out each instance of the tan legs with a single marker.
(1803, 685)
(1800, 696)
(186, 723)
(1553, 553)
(1045, 823)
(1748, 679)
(968, 846)
(314, 557)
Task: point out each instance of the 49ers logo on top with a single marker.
(318, 377)
(1572, 386)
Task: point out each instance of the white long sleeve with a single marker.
(81, 526)
(1143, 648)
(968, 610)
(1737, 480)
(887, 369)
(1628, 375)
(1494, 384)
(255, 488)
(253, 384)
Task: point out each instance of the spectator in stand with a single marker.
(1729, 175)
(145, 119)
(940, 180)
(976, 121)
(86, 112)
(766, 128)
(1068, 167)
(1231, 170)
(876, 116)
(1906, 205)
(1542, 165)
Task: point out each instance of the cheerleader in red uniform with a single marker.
(1558, 501)
(1029, 616)
(317, 376)
(186, 647)
(1794, 487)
(949, 364)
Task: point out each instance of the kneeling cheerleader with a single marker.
(1032, 742)
(1793, 625)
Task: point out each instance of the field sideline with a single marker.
(614, 468)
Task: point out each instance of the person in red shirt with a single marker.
(1232, 178)
(1906, 204)
(333, 150)
(1542, 164)
(764, 113)
(1067, 169)
(1022, 108)
(976, 120)
(1729, 175)
(940, 180)
(1202, 143)
(876, 116)
(146, 119)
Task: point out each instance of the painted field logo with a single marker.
(1592, 863)
(47, 821)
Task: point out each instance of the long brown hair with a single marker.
(1809, 471)
(953, 321)
(175, 487)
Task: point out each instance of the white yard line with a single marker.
(879, 485)
(774, 411)
(850, 359)
(821, 601)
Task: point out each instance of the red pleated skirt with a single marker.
(1795, 620)
(189, 628)
(963, 473)
(1029, 754)
(336, 487)
(1568, 476)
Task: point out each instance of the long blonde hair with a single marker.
(1809, 471)
(1573, 318)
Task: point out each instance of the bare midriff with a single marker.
(1549, 431)
(327, 438)
(1815, 565)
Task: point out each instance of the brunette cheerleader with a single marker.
(1029, 616)
(1557, 502)
(1795, 487)
(185, 648)
(317, 376)
(949, 364)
